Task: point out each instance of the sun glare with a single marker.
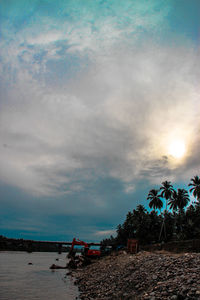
(177, 149)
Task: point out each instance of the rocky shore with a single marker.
(145, 275)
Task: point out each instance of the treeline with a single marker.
(7, 244)
(180, 219)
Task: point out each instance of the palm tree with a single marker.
(155, 200)
(167, 191)
(195, 183)
(179, 199)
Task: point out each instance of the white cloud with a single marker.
(105, 233)
(45, 38)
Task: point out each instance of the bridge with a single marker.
(60, 243)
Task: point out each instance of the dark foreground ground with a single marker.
(142, 276)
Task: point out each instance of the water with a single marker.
(21, 281)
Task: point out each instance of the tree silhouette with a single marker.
(166, 191)
(179, 199)
(195, 183)
(155, 200)
(145, 226)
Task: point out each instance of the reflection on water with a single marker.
(20, 280)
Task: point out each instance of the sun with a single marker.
(177, 148)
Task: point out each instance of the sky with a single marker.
(99, 103)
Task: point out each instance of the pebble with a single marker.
(136, 277)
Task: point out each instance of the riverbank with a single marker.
(145, 275)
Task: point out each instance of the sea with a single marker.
(26, 276)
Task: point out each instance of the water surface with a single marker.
(20, 280)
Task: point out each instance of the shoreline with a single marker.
(145, 275)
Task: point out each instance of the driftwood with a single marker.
(57, 267)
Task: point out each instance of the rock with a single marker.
(198, 292)
(184, 289)
(69, 273)
(174, 297)
(190, 281)
(136, 277)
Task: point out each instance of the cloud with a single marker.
(85, 98)
(92, 93)
(36, 35)
(103, 233)
(114, 120)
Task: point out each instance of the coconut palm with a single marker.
(195, 183)
(167, 191)
(179, 199)
(155, 200)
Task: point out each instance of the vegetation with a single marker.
(179, 222)
(195, 183)
(9, 244)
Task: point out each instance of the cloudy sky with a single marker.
(99, 103)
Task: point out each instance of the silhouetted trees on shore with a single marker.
(180, 219)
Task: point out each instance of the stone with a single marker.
(136, 277)
(174, 297)
(198, 292)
